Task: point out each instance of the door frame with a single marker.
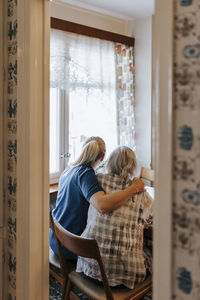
(33, 149)
(32, 242)
(162, 76)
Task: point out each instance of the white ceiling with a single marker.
(124, 9)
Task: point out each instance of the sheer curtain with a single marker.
(85, 69)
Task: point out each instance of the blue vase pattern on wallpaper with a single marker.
(191, 196)
(186, 2)
(186, 162)
(185, 137)
(191, 51)
(184, 280)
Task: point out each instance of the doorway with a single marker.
(33, 160)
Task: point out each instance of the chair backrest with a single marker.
(147, 174)
(81, 247)
(51, 221)
(65, 266)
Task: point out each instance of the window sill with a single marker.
(53, 189)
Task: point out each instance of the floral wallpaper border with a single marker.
(12, 147)
(186, 163)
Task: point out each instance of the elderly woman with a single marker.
(119, 232)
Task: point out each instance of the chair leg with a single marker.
(64, 288)
(67, 289)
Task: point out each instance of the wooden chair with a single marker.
(147, 174)
(89, 248)
(55, 268)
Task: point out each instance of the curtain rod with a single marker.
(90, 31)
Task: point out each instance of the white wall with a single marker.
(87, 17)
(141, 29)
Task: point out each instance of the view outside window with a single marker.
(90, 116)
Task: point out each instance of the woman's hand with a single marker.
(138, 185)
(107, 202)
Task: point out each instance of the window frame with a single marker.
(63, 140)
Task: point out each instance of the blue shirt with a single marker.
(76, 187)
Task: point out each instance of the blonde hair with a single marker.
(93, 149)
(122, 161)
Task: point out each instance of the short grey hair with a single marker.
(122, 161)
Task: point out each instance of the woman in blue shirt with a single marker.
(78, 187)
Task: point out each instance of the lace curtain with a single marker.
(84, 68)
(95, 71)
(81, 61)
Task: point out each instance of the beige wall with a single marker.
(141, 29)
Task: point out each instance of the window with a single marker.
(92, 93)
(82, 96)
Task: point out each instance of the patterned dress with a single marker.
(119, 235)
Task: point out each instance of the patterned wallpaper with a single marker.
(12, 147)
(125, 95)
(186, 204)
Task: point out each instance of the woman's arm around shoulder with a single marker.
(107, 202)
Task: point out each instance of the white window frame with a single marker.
(63, 130)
